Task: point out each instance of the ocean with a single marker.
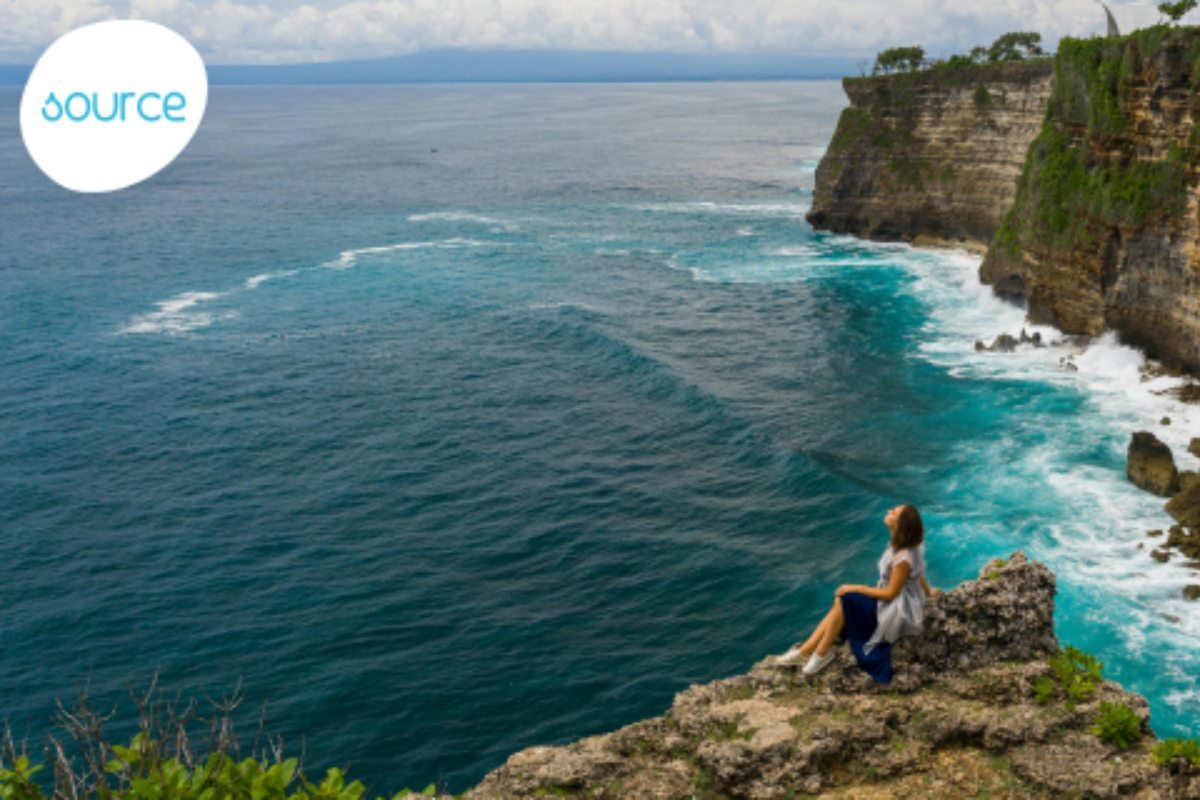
(451, 420)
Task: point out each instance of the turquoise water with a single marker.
(454, 420)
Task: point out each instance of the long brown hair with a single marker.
(910, 530)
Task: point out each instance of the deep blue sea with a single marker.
(457, 419)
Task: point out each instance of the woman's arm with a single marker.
(899, 576)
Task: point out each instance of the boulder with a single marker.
(1150, 465)
(1192, 591)
(1004, 343)
(1194, 446)
(1186, 542)
(1185, 507)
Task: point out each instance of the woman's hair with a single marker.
(910, 531)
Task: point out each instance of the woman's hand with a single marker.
(845, 588)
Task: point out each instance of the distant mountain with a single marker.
(526, 66)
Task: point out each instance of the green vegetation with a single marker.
(1082, 176)
(1016, 46)
(1118, 724)
(1175, 11)
(899, 59)
(1185, 752)
(1076, 675)
(166, 760)
(139, 772)
(983, 98)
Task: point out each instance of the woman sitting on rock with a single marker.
(872, 618)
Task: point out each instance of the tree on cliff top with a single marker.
(899, 59)
(1175, 11)
(1020, 45)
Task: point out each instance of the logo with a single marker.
(111, 104)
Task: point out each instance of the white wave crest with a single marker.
(496, 225)
(348, 258)
(178, 315)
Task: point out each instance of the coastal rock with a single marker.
(1192, 591)
(1104, 233)
(1185, 508)
(931, 156)
(1188, 479)
(1001, 344)
(1185, 541)
(1194, 447)
(959, 720)
(1006, 343)
(1150, 465)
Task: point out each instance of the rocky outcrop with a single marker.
(933, 154)
(973, 711)
(1149, 465)
(1105, 229)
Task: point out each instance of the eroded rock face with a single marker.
(1150, 465)
(959, 720)
(933, 154)
(1105, 229)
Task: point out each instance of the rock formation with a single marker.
(931, 154)
(1079, 173)
(1105, 229)
(972, 712)
(1150, 465)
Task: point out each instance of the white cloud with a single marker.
(244, 31)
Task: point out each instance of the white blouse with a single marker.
(904, 614)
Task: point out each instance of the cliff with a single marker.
(931, 154)
(983, 704)
(1104, 231)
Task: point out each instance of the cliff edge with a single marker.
(1105, 229)
(931, 154)
(984, 704)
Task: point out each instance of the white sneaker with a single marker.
(817, 663)
(791, 656)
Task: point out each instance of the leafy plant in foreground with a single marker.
(169, 758)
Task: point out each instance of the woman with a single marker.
(872, 618)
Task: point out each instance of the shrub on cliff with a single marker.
(1182, 753)
(899, 59)
(1118, 724)
(1175, 11)
(1016, 46)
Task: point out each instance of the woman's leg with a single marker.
(832, 629)
(819, 634)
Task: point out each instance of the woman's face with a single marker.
(892, 517)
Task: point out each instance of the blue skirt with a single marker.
(861, 618)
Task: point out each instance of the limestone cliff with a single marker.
(981, 706)
(1105, 229)
(931, 154)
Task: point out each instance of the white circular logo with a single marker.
(108, 105)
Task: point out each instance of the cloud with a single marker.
(276, 31)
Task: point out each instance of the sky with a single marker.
(292, 31)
